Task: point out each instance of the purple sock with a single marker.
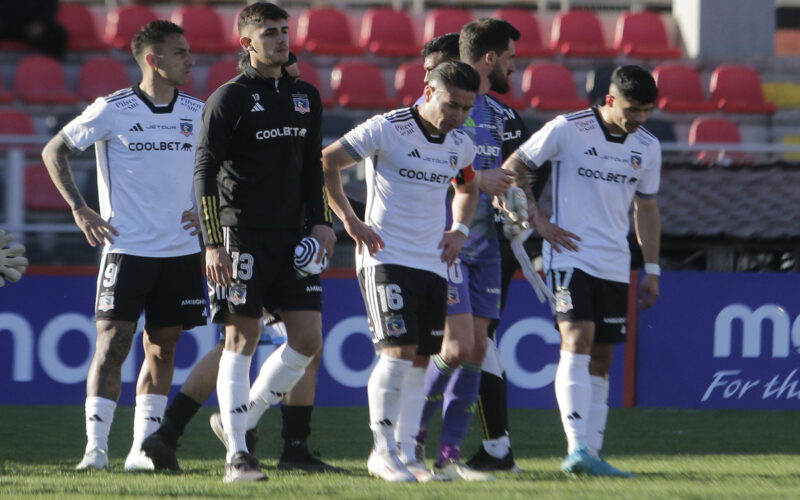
(447, 451)
(459, 403)
(436, 378)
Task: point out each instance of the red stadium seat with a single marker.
(82, 32)
(530, 42)
(219, 73)
(717, 129)
(101, 76)
(310, 74)
(123, 22)
(680, 90)
(16, 122)
(737, 89)
(202, 28)
(325, 30)
(5, 95)
(40, 80)
(578, 33)
(642, 35)
(550, 87)
(409, 82)
(388, 32)
(359, 85)
(445, 20)
(41, 194)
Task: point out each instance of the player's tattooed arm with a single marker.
(558, 237)
(55, 155)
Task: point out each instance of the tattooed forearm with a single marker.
(55, 155)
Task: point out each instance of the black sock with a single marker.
(296, 424)
(492, 406)
(177, 415)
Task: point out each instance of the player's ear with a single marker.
(150, 59)
(609, 100)
(245, 43)
(428, 92)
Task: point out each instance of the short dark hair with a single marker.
(456, 74)
(447, 45)
(151, 34)
(635, 84)
(485, 35)
(258, 12)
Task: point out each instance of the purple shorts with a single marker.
(474, 288)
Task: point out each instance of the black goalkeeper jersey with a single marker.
(259, 157)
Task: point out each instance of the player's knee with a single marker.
(307, 345)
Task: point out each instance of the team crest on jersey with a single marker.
(452, 296)
(186, 126)
(301, 103)
(106, 302)
(454, 161)
(237, 295)
(636, 160)
(395, 326)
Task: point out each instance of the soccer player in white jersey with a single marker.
(403, 247)
(603, 160)
(145, 138)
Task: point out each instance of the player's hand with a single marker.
(648, 291)
(93, 226)
(192, 222)
(219, 267)
(364, 235)
(495, 181)
(560, 239)
(327, 240)
(12, 259)
(451, 244)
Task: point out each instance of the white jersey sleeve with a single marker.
(96, 123)
(544, 145)
(651, 180)
(366, 139)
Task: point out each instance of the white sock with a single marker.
(147, 417)
(574, 395)
(499, 447)
(99, 415)
(413, 399)
(279, 373)
(233, 387)
(598, 415)
(384, 390)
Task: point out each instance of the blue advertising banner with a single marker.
(721, 340)
(47, 336)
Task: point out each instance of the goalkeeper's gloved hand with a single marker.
(515, 205)
(12, 259)
(305, 256)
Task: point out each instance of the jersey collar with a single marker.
(153, 107)
(430, 138)
(619, 139)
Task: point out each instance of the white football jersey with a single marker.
(595, 177)
(145, 168)
(408, 173)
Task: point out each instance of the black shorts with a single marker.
(405, 306)
(168, 289)
(263, 276)
(583, 297)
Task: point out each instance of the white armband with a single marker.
(654, 269)
(461, 228)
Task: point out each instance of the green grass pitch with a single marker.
(676, 454)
